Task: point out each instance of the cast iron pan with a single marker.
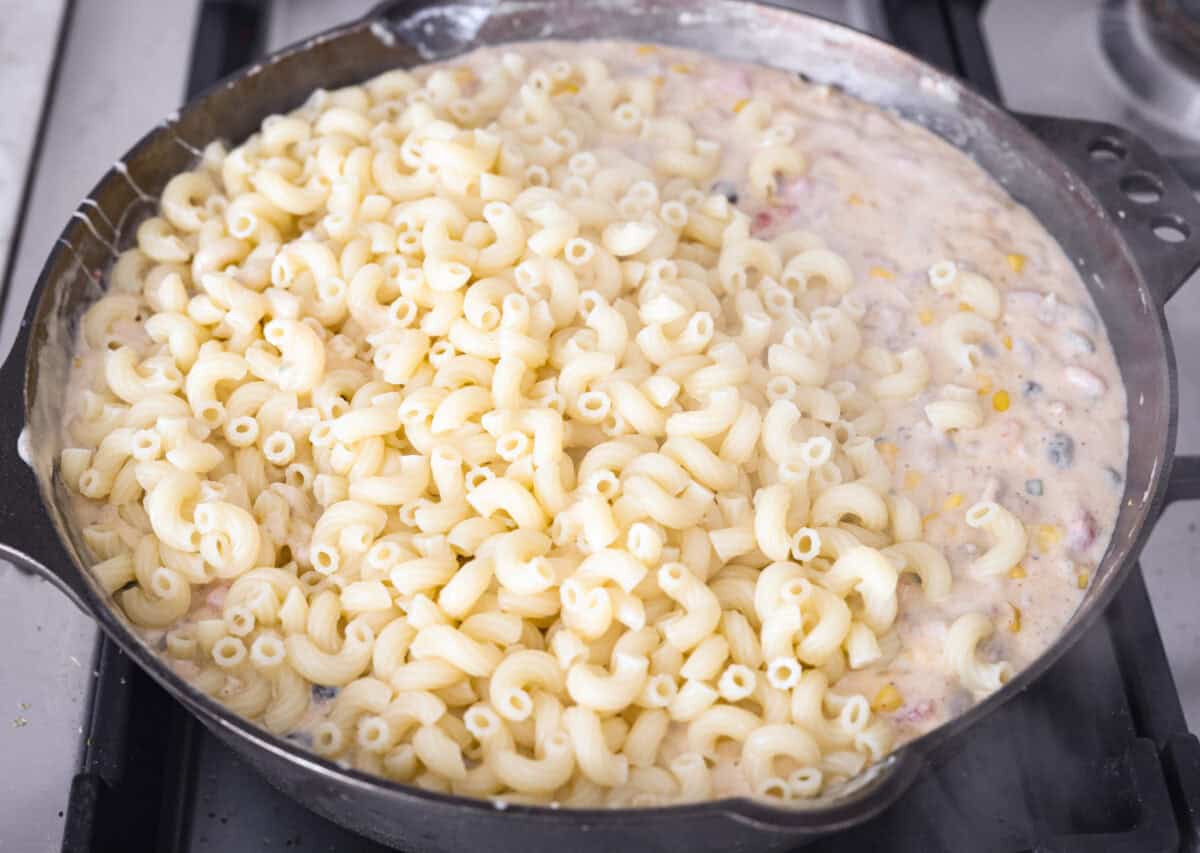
(1069, 173)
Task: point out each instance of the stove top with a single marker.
(1095, 756)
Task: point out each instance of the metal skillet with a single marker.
(1069, 173)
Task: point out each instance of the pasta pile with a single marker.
(466, 397)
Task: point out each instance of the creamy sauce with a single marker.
(892, 199)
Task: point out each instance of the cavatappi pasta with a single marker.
(591, 425)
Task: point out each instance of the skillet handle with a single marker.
(1141, 192)
(28, 538)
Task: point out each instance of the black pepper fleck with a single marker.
(1060, 450)
(727, 189)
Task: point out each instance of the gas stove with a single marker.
(1096, 756)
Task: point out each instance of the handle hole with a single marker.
(1142, 187)
(1107, 149)
(1171, 229)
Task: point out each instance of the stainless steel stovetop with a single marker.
(118, 66)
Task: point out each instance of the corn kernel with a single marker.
(1047, 535)
(925, 316)
(1014, 624)
(854, 200)
(681, 68)
(888, 699)
(1083, 579)
(740, 105)
(962, 306)
(1007, 341)
(646, 49)
(888, 451)
(1017, 572)
(1000, 401)
(912, 479)
(882, 272)
(1016, 262)
(573, 88)
(953, 501)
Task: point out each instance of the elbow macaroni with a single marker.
(539, 454)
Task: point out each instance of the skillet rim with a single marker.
(901, 766)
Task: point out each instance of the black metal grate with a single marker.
(230, 34)
(1094, 757)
